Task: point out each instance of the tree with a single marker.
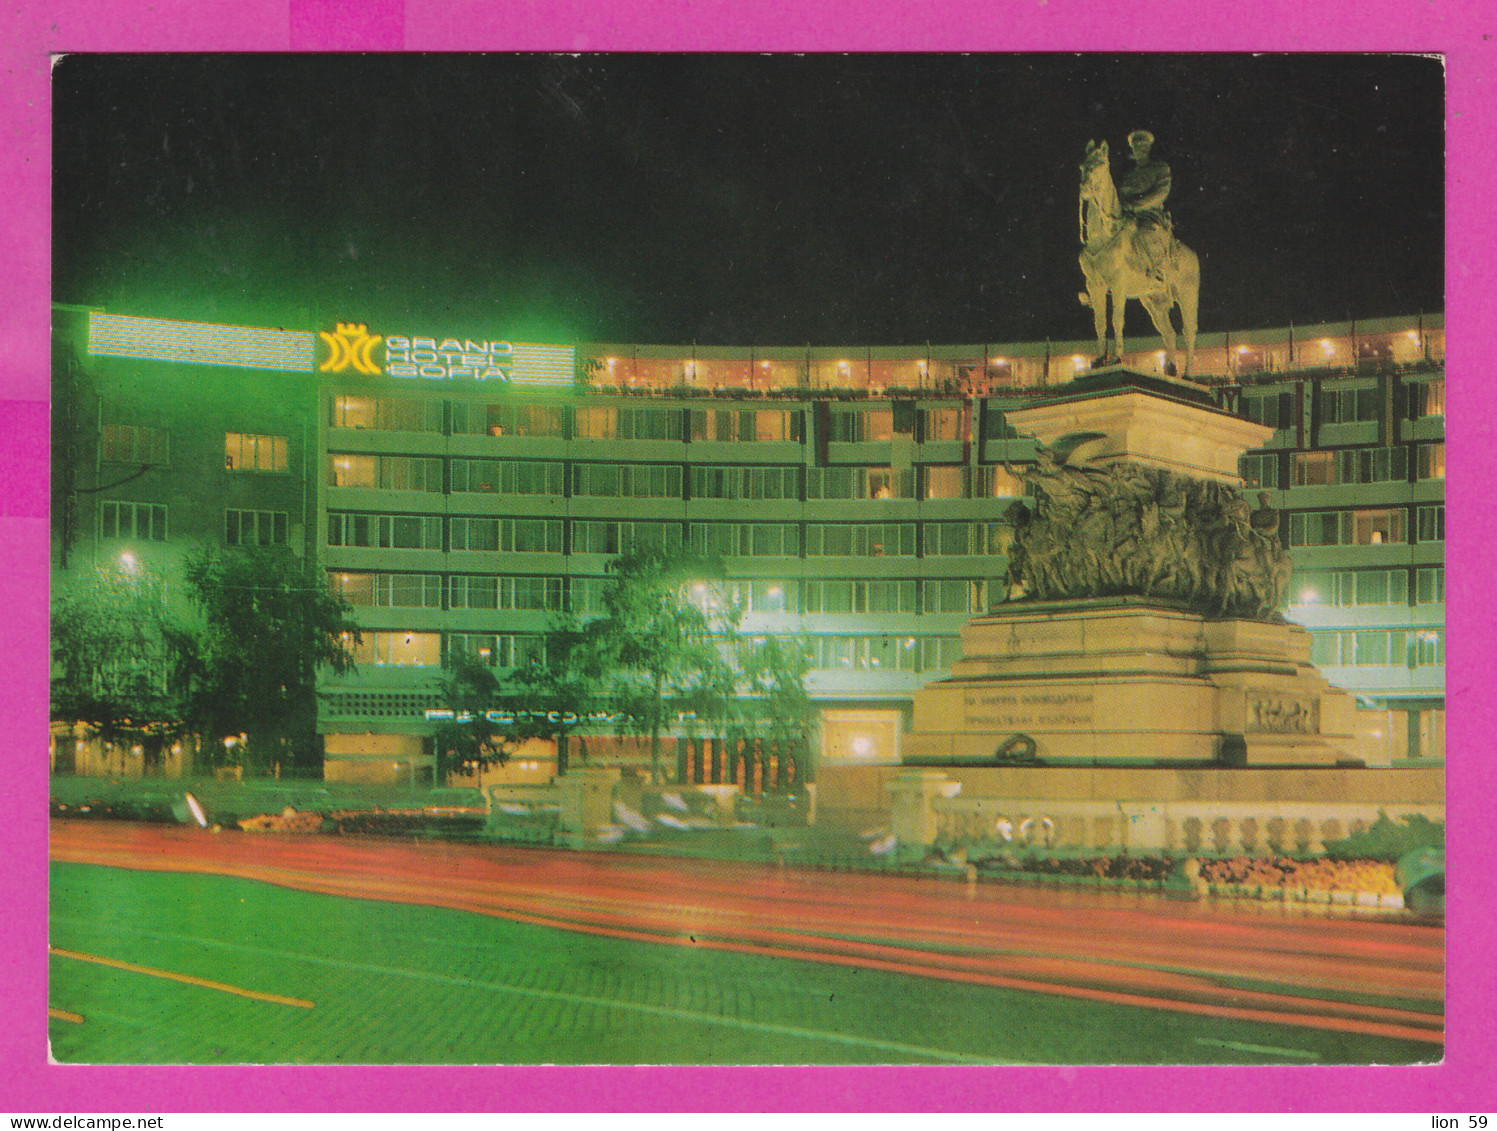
(655, 644)
(123, 667)
(554, 700)
(270, 623)
(774, 713)
(469, 740)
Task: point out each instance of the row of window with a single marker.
(1378, 649)
(505, 650)
(1349, 588)
(1366, 527)
(622, 422)
(243, 451)
(1350, 465)
(1276, 409)
(550, 594)
(725, 539)
(664, 481)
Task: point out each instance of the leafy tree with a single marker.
(554, 700)
(270, 623)
(773, 712)
(469, 741)
(655, 644)
(122, 666)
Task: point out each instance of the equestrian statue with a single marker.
(1129, 250)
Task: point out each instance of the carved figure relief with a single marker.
(1126, 528)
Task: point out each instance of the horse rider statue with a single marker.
(1142, 194)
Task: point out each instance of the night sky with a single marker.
(732, 200)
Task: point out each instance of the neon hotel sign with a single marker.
(353, 347)
(349, 348)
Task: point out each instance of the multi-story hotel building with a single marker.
(461, 491)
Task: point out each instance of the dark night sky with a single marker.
(732, 199)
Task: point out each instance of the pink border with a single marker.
(1463, 1083)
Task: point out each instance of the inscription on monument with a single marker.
(1015, 710)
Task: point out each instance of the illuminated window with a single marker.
(1347, 528)
(386, 414)
(399, 649)
(1346, 588)
(1427, 398)
(351, 470)
(744, 425)
(609, 423)
(1381, 527)
(1356, 465)
(246, 452)
(145, 522)
(861, 425)
(128, 443)
(1432, 461)
(996, 483)
(389, 590)
(254, 528)
(945, 482)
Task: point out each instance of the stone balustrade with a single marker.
(928, 809)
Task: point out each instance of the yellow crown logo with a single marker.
(351, 345)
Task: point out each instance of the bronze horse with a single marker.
(1113, 267)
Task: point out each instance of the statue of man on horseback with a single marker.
(1142, 194)
(1129, 250)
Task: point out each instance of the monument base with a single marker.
(1134, 681)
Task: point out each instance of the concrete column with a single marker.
(914, 794)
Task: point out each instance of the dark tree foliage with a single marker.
(270, 623)
(469, 742)
(123, 667)
(773, 712)
(660, 652)
(555, 700)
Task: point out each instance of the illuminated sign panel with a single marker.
(201, 343)
(351, 348)
(348, 348)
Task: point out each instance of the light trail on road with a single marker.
(1141, 950)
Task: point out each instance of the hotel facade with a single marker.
(461, 491)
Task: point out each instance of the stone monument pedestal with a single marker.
(1130, 680)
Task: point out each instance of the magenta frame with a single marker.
(1461, 1083)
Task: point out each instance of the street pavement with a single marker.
(709, 961)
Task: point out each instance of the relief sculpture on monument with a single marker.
(1130, 529)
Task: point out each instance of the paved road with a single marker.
(1354, 976)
